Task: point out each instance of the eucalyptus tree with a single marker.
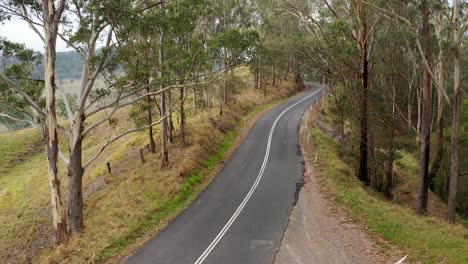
(50, 15)
(233, 47)
(354, 15)
(457, 89)
(229, 18)
(186, 50)
(83, 25)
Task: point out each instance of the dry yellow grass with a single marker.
(117, 205)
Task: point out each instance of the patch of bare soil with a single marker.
(319, 231)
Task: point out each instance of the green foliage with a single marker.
(61, 109)
(17, 66)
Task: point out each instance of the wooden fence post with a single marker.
(109, 168)
(142, 156)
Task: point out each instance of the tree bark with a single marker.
(418, 121)
(51, 21)
(436, 163)
(410, 105)
(225, 81)
(256, 75)
(454, 153)
(364, 72)
(274, 73)
(182, 116)
(164, 152)
(75, 173)
(170, 123)
(426, 114)
(150, 120)
(389, 186)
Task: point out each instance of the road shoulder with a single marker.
(318, 230)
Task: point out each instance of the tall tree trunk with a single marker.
(182, 116)
(75, 174)
(225, 81)
(389, 181)
(170, 126)
(164, 152)
(75, 168)
(51, 21)
(256, 74)
(364, 72)
(150, 119)
(194, 99)
(274, 73)
(418, 121)
(409, 107)
(426, 114)
(454, 160)
(436, 163)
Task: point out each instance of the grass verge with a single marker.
(425, 239)
(193, 185)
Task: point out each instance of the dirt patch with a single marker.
(319, 231)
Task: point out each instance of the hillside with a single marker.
(123, 207)
(425, 239)
(69, 66)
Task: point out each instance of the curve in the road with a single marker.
(252, 189)
(200, 233)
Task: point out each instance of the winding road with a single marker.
(242, 214)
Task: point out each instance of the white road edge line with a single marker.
(223, 231)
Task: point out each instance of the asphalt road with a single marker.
(241, 216)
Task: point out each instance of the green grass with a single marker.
(425, 239)
(18, 146)
(225, 146)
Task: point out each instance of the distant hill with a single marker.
(69, 66)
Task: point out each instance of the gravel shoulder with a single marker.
(318, 230)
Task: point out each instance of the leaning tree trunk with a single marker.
(454, 160)
(364, 72)
(51, 21)
(426, 114)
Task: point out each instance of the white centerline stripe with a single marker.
(252, 189)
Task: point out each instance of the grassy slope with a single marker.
(3, 129)
(128, 205)
(426, 239)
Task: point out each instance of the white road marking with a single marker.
(252, 189)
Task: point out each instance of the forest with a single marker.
(395, 76)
